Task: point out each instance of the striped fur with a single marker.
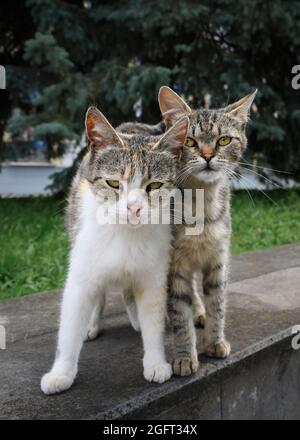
(140, 128)
(201, 262)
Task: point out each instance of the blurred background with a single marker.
(62, 56)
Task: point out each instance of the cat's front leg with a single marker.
(180, 301)
(215, 280)
(130, 304)
(151, 307)
(77, 306)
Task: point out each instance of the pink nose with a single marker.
(134, 209)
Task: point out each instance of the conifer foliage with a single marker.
(75, 53)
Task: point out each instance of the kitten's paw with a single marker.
(220, 349)
(93, 332)
(185, 366)
(53, 383)
(199, 321)
(158, 372)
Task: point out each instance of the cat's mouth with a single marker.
(135, 226)
(209, 169)
(208, 166)
(134, 221)
(209, 172)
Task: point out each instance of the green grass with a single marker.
(262, 223)
(34, 247)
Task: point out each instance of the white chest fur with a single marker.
(116, 252)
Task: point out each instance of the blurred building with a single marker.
(26, 171)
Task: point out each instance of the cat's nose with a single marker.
(134, 208)
(207, 157)
(206, 152)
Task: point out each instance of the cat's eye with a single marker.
(190, 142)
(113, 183)
(224, 140)
(153, 185)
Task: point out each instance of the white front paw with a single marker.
(158, 372)
(55, 382)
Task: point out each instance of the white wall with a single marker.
(20, 179)
(30, 179)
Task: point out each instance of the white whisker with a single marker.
(268, 180)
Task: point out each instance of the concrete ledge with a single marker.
(260, 382)
(261, 379)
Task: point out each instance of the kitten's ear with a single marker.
(99, 131)
(241, 108)
(172, 107)
(174, 138)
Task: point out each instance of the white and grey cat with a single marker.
(124, 171)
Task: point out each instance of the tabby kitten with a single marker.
(119, 176)
(141, 128)
(215, 143)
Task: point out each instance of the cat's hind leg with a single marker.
(95, 325)
(198, 306)
(131, 308)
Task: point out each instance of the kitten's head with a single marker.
(216, 139)
(128, 171)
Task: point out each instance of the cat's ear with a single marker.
(172, 107)
(174, 138)
(241, 108)
(99, 131)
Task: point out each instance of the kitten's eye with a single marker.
(153, 185)
(113, 183)
(224, 140)
(190, 142)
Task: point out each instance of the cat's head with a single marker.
(128, 171)
(216, 139)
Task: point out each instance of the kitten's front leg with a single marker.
(77, 306)
(215, 278)
(180, 312)
(151, 306)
